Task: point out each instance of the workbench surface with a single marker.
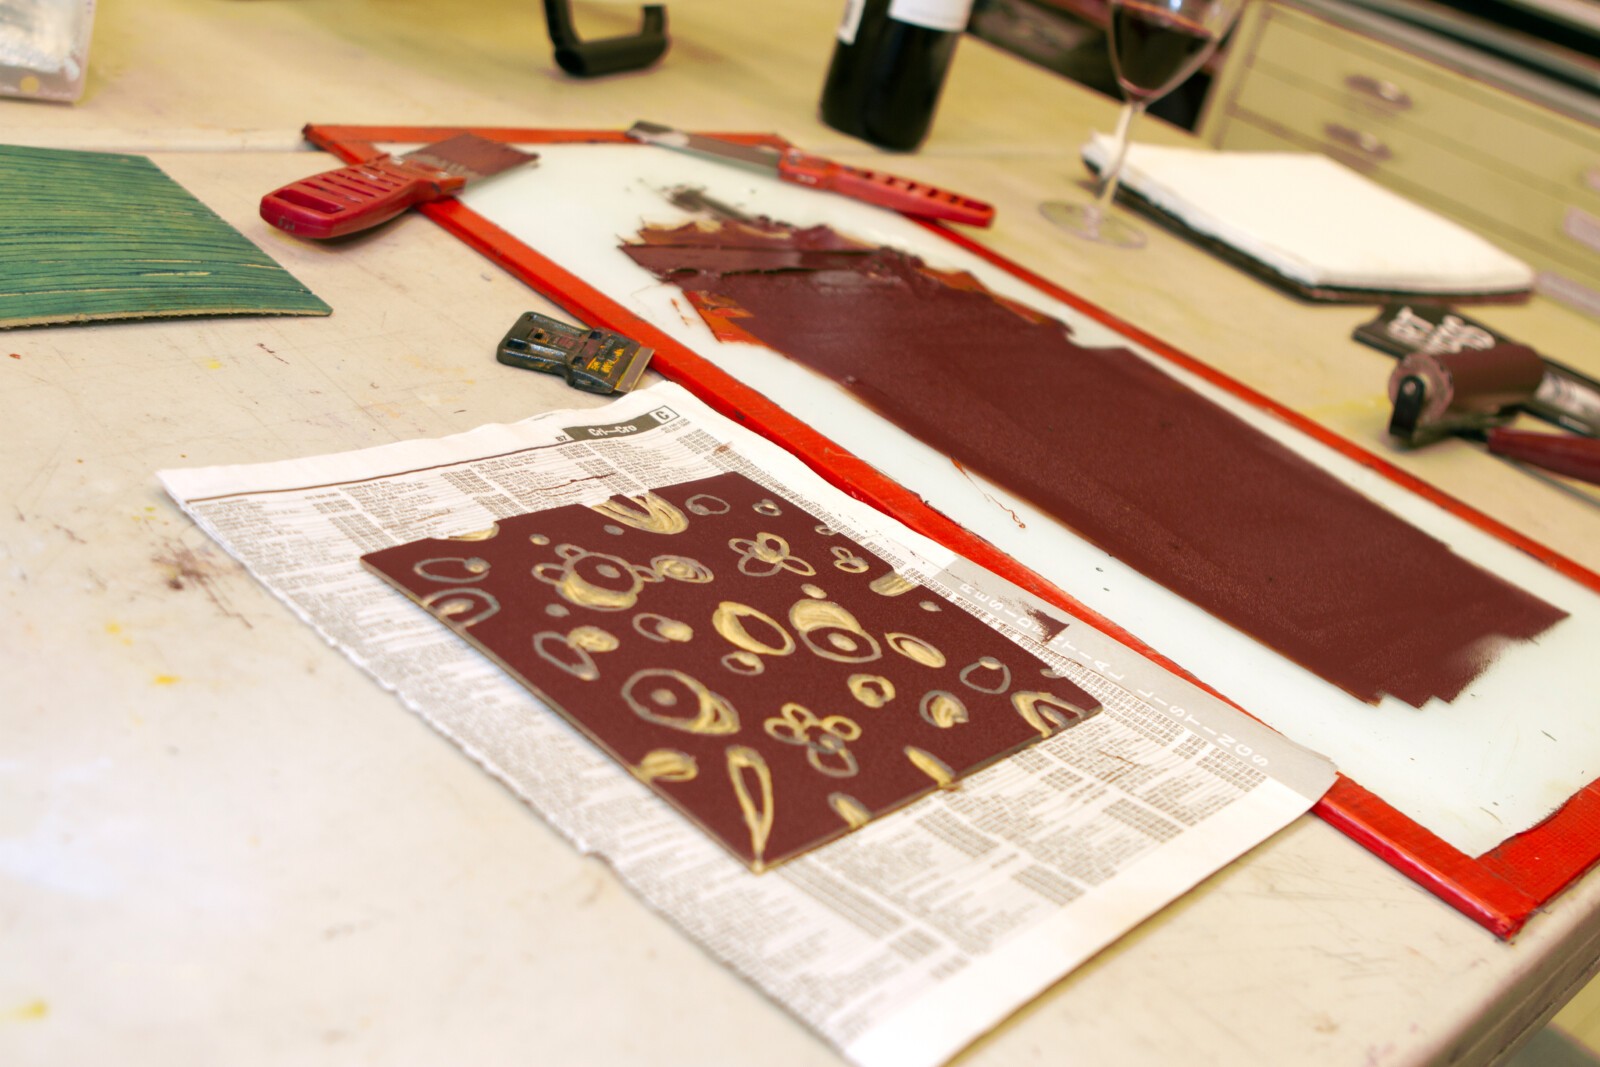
(220, 842)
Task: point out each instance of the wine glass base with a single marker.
(1090, 223)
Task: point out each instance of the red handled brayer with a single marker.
(1436, 394)
(1474, 393)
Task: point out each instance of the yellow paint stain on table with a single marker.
(32, 1011)
(1362, 408)
(165, 679)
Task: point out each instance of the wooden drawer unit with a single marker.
(1501, 202)
(1510, 157)
(1575, 259)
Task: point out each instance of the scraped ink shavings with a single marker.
(772, 678)
(1134, 461)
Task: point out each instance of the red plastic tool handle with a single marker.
(356, 197)
(1576, 457)
(886, 190)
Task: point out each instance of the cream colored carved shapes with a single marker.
(896, 584)
(932, 766)
(732, 619)
(453, 570)
(682, 569)
(871, 690)
(461, 607)
(832, 633)
(649, 513)
(915, 649)
(706, 504)
(1045, 712)
(847, 561)
(593, 639)
(574, 652)
(666, 765)
(852, 811)
(594, 579)
(987, 675)
(746, 768)
(826, 740)
(943, 709)
(891, 584)
(661, 628)
(743, 662)
(476, 535)
(674, 699)
(767, 554)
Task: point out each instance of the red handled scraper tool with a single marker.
(362, 195)
(793, 165)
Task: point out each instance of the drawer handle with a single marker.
(1362, 142)
(1379, 89)
(1582, 227)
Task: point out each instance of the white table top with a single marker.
(222, 843)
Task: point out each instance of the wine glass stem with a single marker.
(1112, 175)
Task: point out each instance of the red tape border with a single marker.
(1499, 890)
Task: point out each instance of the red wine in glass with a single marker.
(1154, 48)
(1155, 45)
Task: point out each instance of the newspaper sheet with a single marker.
(901, 942)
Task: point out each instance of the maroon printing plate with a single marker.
(771, 678)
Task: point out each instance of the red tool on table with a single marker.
(793, 165)
(1568, 454)
(362, 195)
(1475, 392)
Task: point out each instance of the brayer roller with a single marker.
(1475, 392)
(1565, 397)
(1440, 393)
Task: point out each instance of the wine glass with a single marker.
(1155, 46)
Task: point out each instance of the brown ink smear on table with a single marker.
(1133, 460)
(773, 679)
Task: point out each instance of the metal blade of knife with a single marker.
(757, 157)
(792, 165)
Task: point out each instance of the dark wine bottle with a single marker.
(888, 67)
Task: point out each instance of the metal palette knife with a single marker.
(792, 165)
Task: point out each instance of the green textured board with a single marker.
(97, 235)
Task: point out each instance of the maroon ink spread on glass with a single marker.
(1134, 461)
